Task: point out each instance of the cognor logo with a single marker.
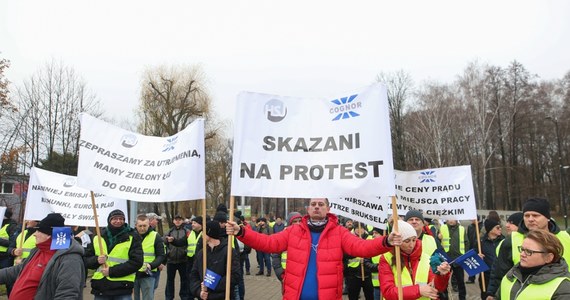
(69, 182)
(129, 140)
(345, 108)
(275, 110)
(171, 142)
(427, 176)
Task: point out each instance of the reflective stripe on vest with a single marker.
(499, 248)
(422, 272)
(192, 242)
(428, 244)
(375, 280)
(148, 249)
(29, 243)
(119, 255)
(355, 262)
(284, 260)
(445, 242)
(517, 238)
(532, 291)
(4, 235)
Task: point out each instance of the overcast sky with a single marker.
(294, 48)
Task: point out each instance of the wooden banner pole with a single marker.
(230, 249)
(397, 251)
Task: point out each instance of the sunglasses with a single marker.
(529, 252)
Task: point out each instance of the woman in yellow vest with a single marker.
(418, 280)
(542, 273)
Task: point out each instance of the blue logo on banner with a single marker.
(472, 263)
(171, 142)
(345, 107)
(427, 176)
(60, 238)
(211, 279)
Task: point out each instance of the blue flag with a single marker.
(442, 255)
(60, 238)
(211, 279)
(472, 263)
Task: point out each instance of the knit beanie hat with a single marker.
(516, 218)
(198, 220)
(8, 213)
(292, 216)
(490, 224)
(221, 217)
(213, 229)
(115, 213)
(222, 207)
(541, 206)
(52, 220)
(262, 219)
(414, 213)
(406, 230)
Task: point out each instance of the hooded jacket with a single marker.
(504, 261)
(63, 277)
(410, 261)
(334, 241)
(544, 275)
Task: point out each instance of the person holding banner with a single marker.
(25, 242)
(541, 272)
(418, 279)
(47, 273)
(116, 255)
(214, 284)
(319, 239)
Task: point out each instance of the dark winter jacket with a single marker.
(504, 261)
(105, 287)
(177, 249)
(159, 253)
(544, 275)
(216, 262)
(63, 277)
(334, 241)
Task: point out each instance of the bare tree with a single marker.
(172, 97)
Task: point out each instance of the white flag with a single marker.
(124, 164)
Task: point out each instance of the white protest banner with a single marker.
(2, 211)
(53, 192)
(123, 164)
(371, 211)
(443, 193)
(313, 147)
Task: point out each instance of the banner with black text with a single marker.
(371, 211)
(442, 193)
(53, 192)
(124, 164)
(313, 147)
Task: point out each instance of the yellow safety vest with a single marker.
(355, 262)
(284, 260)
(428, 244)
(149, 253)
(119, 255)
(4, 235)
(29, 243)
(375, 279)
(446, 239)
(517, 238)
(422, 273)
(192, 242)
(532, 291)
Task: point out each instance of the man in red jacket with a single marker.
(315, 250)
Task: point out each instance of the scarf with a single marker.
(113, 233)
(317, 226)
